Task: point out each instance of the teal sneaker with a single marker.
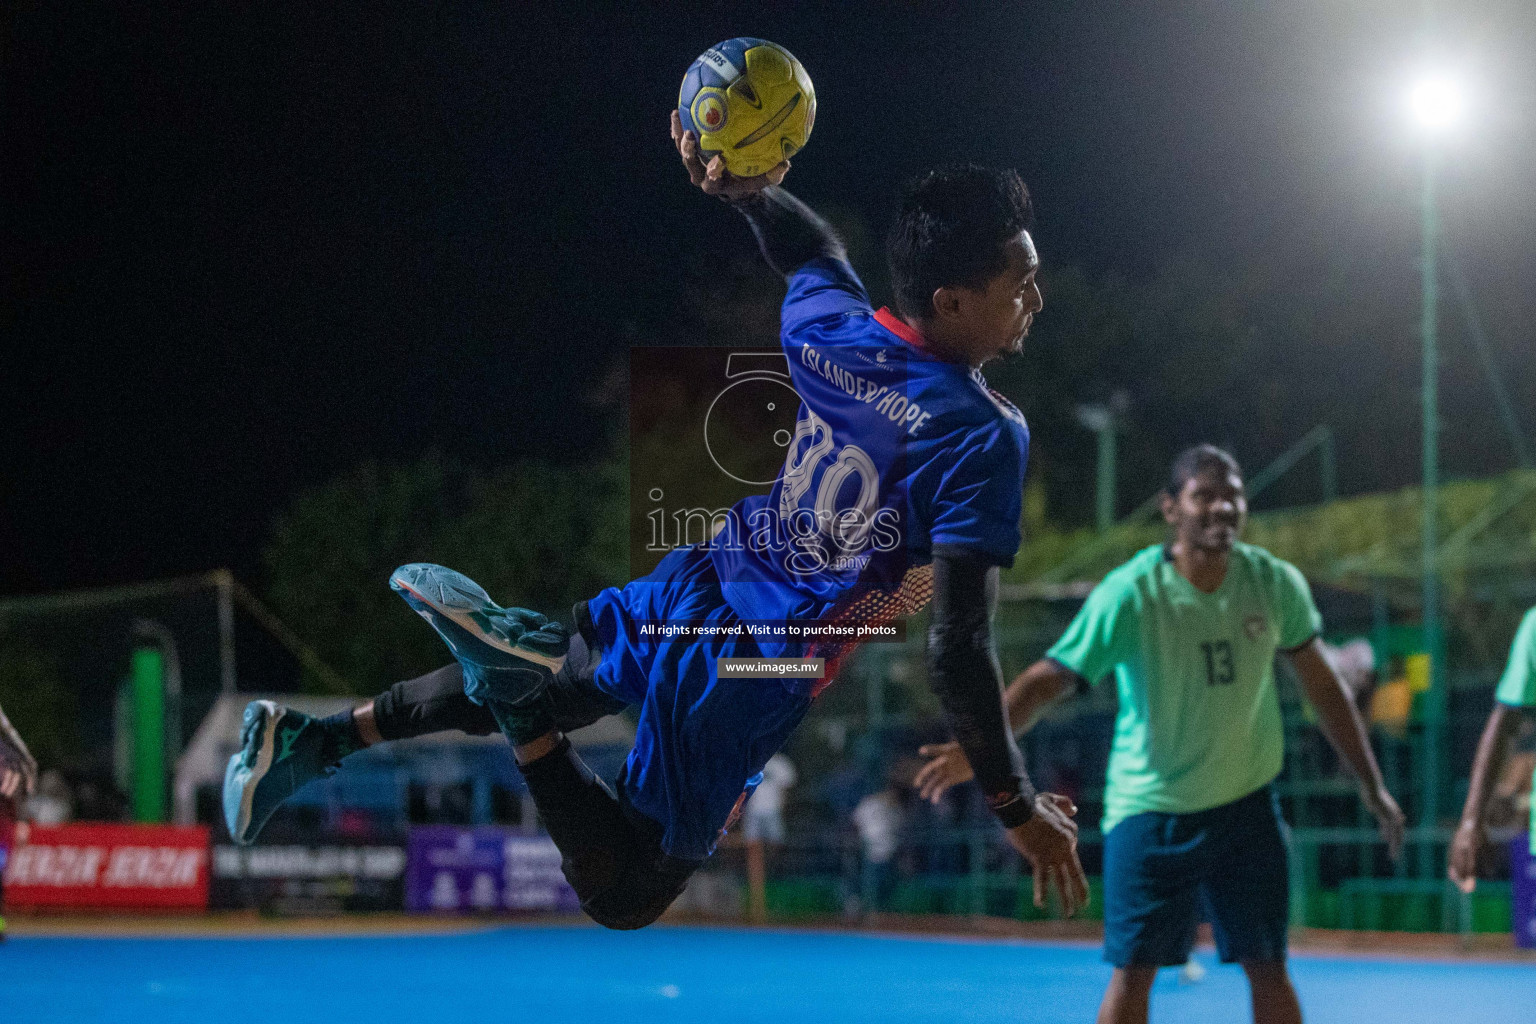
(508, 654)
(280, 750)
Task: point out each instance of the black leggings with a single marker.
(435, 702)
(610, 852)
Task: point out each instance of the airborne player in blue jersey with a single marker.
(902, 484)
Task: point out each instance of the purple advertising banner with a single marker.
(451, 869)
(1522, 872)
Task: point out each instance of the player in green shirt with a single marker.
(1189, 630)
(1515, 696)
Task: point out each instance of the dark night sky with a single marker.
(247, 246)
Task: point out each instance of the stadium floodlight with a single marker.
(1438, 103)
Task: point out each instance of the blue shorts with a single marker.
(701, 742)
(1162, 872)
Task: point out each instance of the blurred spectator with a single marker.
(51, 804)
(763, 824)
(1391, 703)
(1355, 662)
(936, 844)
(96, 799)
(1510, 803)
(841, 790)
(879, 818)
(763, 819)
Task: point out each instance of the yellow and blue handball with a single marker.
(750, 102)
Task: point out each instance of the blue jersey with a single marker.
(896, 452)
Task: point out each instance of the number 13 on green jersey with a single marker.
(1199, 719)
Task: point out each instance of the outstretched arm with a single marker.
(18, 769)
(1026, 698)
(1036, 689)
(1345, 730)
(964, 673)
(789, 232)
(1472, 833)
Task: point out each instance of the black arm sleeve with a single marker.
(789, 232)
(965, 675)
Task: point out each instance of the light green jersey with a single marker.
(1517, 687)
(1199, 720)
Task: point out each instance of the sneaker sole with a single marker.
(460, 614)
(271, 715)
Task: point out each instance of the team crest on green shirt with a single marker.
(1199, 721)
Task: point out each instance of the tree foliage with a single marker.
(37, 700)
(534, 535)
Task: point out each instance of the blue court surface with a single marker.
(556, 974)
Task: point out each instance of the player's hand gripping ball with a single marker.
(750, 103)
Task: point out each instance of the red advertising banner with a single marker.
(136, 867)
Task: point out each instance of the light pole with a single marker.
(1104, 420)
(1436, 102)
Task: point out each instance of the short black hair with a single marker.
(1196, 460)
(950, 232)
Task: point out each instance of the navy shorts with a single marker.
(701, 742)
(1164, 872)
